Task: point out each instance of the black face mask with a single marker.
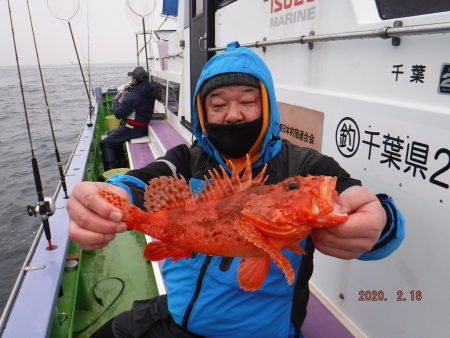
(234, 140)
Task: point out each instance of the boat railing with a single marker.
(33, 281)
(386, 32)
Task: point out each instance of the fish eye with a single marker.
(291, 185)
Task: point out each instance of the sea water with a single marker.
(68, 104)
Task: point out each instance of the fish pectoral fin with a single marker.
(251, 234)
(252, 272)
(156, 251)
(297, 248)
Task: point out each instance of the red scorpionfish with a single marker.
(234, 216)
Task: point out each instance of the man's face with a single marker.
(233, 105)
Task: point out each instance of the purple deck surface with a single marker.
(167, 134)
(169, 137)
(321, 323)
(141, 154)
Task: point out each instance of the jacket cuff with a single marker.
(125, 181)
(392, 234)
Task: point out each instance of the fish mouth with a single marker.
(338, 209)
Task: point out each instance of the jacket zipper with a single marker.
(198, 287)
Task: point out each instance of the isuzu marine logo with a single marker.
(444, 81)
(287, 12)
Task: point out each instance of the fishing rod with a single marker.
(58, 159)
(89, 50)
(145, 43)
(44, 206)
(91, 107)
(57, 13)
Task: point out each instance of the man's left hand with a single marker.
(359, 233)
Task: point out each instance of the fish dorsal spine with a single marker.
(166, 192)
(222, 185)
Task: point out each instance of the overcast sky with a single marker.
(112, 28)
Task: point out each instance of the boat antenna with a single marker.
(43, 206)
(58, 159)
(67, 18)
(141, 9)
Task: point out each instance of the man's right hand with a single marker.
(93, 222)
(118, 96)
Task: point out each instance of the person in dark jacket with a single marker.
(235, 113)
(134, 107)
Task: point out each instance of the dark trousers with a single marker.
(146, 319)
(112, 145)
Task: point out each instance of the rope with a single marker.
(100, 301)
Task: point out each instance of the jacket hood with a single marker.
(144, 88)
(237, 59)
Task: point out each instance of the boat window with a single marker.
(163, 85)
(174, 96)
(197, 9)
(391, 9)
(223, 3)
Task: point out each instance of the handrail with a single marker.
(170, 56)
(18, 282)
(383, 33)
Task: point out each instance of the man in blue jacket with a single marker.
(134, 106)
(235, 112)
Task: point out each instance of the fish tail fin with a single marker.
(121, 203)
(252, 272)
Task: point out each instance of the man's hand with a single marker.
(120, 93)
(93, 222)
(359, 233)
(118, 96)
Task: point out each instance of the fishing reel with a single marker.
(46, 207)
